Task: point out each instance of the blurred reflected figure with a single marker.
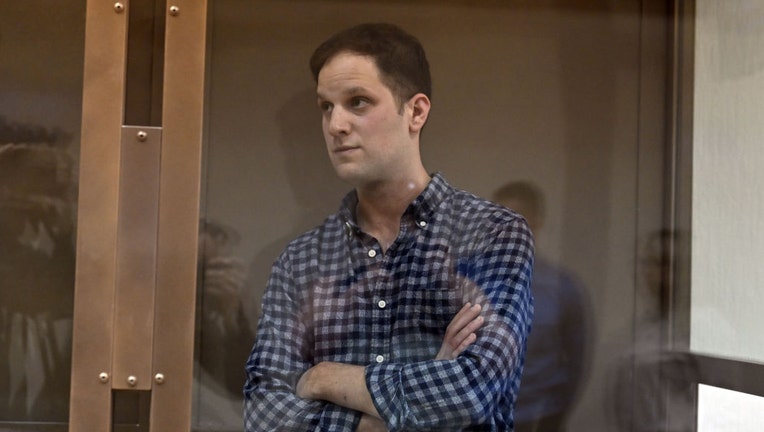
(37, 197)
(557, 346)
(651, 382)
(223, 275)
(225, 332)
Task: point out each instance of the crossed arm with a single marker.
(345, 385)
(280, 392)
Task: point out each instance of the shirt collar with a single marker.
(423, 206)
(421, 209)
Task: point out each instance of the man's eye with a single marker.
(325, 106)
(358, 102)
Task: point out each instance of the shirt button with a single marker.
(382, 304)
(372, 253)
(380, 359)
(422, 223)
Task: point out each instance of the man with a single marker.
(353, 334)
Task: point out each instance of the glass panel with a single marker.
(541, 96)
(131, 410)
(42, 47)
(145, 63)
(720, 409)
(728, 202)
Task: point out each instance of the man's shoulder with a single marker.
(471, 223)
(472, 210)
(329, 231)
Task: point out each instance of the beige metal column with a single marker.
(179, 215)
(137, 225)
(102, 113)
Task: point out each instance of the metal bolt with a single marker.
(103, 377)
(141, 135)
(119, 7)
(159, 378)
(132, 380)
(174, 10)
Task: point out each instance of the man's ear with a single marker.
(419, 104)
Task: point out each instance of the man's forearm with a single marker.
(371, 424)
(345, 385)
(340, 384)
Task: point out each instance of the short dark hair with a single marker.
(397, 54)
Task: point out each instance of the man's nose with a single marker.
(338, 122)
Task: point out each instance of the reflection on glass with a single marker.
(649, 377)
(40, 90)
(36, 271)
(225, 334)
(518, 101)
(560, 343)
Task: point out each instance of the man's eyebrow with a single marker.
(355, 90)
(350, 91)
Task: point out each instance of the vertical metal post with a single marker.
(135, 285)
(180, 184)
(102, 113)
(679, 202)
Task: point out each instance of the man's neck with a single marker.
(380, 207)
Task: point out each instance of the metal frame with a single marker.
(95, 274)
(135, 284)
(679, 202)
(180, 183)
(679, 196)
(730, 374)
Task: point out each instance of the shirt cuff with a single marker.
(383, 380)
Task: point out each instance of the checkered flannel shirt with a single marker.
(333, 295)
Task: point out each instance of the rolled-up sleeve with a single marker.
(282, 353)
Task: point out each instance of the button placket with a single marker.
(380, 305)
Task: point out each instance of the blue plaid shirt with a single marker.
(333, 295)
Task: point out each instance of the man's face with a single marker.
(366, 131)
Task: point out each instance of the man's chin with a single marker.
(347, 173)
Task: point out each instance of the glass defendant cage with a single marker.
(156, 155)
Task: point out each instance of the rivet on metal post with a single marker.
(132, 380)
(174, 10)
(159, 378)
(142, 135)
(119, 7)
(103, 377)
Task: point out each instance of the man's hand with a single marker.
(461, 332)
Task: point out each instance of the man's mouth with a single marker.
(344, 149)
